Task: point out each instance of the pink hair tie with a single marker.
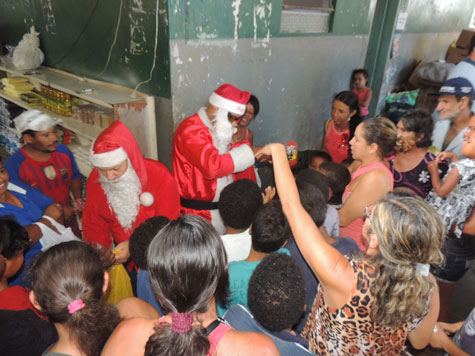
(75, 305)
(181, 322)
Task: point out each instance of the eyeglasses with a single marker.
(367, 213)
(235, 119)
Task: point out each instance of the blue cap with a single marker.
(456, 86)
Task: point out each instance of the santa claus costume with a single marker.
(203, 162)
(157, 193)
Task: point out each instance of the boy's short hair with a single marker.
(269, 228)
(277, 293)
(338, 176)
(313, 201)
(141, 238)
(239, 202)
(315, 178)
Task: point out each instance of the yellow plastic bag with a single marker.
(119, 284)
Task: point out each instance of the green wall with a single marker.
(76, 36)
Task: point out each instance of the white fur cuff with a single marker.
(243, 157)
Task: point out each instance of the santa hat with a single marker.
(113, 146)
(230, 98)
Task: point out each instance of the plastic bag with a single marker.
(27, 54)
(51, 238)
(119, 284)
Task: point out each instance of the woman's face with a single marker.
(359, 145)
(341, 113)
(3, 179)
(248, 115)
(408, 138)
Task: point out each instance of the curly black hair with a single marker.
(13, 237)
(142, 236)
(277, 293)
(238, 203)
(270, 229)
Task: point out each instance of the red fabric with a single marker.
(197, 164)
(17, 298)
(362, 96)
(249, 173)
(355, 228)
(32, 173)
(337, 143)
(118, 135)
(232, 93)
(100, 222)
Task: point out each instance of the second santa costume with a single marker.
(159, 194)
(203, 164)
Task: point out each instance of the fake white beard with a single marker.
(123, 196)
(224, 130)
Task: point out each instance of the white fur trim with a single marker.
(243, 157)
(108, 159)
(229, 105)
(146, 199)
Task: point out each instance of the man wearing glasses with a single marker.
(203, 162)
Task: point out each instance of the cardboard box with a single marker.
(465, 38)
(456, 54)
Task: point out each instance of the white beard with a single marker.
(123, 196)
(224, 130)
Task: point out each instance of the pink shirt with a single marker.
(355, 228)
(336, 143)
(361, 97)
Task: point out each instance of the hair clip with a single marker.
(423, 269)
(75, 305)
(182, 322)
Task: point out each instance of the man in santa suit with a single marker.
(124, 190)
(203, 162)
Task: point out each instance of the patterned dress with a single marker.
(350, 330)
(457, 207)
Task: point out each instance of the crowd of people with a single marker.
(356, 250)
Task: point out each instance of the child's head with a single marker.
(13, 240)
(339, 177)
(276, 292)
(239, 202)
(317, 158)
(313, 201)
(141, 238)
(68, 281)
(315, 178)
(359, 78)
(269, 228)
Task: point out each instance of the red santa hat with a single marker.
(230, 98)
(113, 146)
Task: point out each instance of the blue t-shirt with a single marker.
(34, 204)
(240, 273)
(241, 319)
(345, 245)
(145, 290)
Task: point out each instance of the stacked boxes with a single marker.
(458, 51)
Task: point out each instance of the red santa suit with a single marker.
(201, 170)
(100, 224)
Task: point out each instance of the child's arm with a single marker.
(365, 102)
(450, 182)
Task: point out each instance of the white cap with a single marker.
(35, 120)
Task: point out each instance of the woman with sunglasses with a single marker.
(368, 305)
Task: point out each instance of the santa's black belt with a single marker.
(196, 204)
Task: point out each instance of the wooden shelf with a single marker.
(93, 91)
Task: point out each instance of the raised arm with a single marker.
(443, 188)
(331, 267)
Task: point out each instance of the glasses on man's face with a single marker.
(367, 213)
(235, 119)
